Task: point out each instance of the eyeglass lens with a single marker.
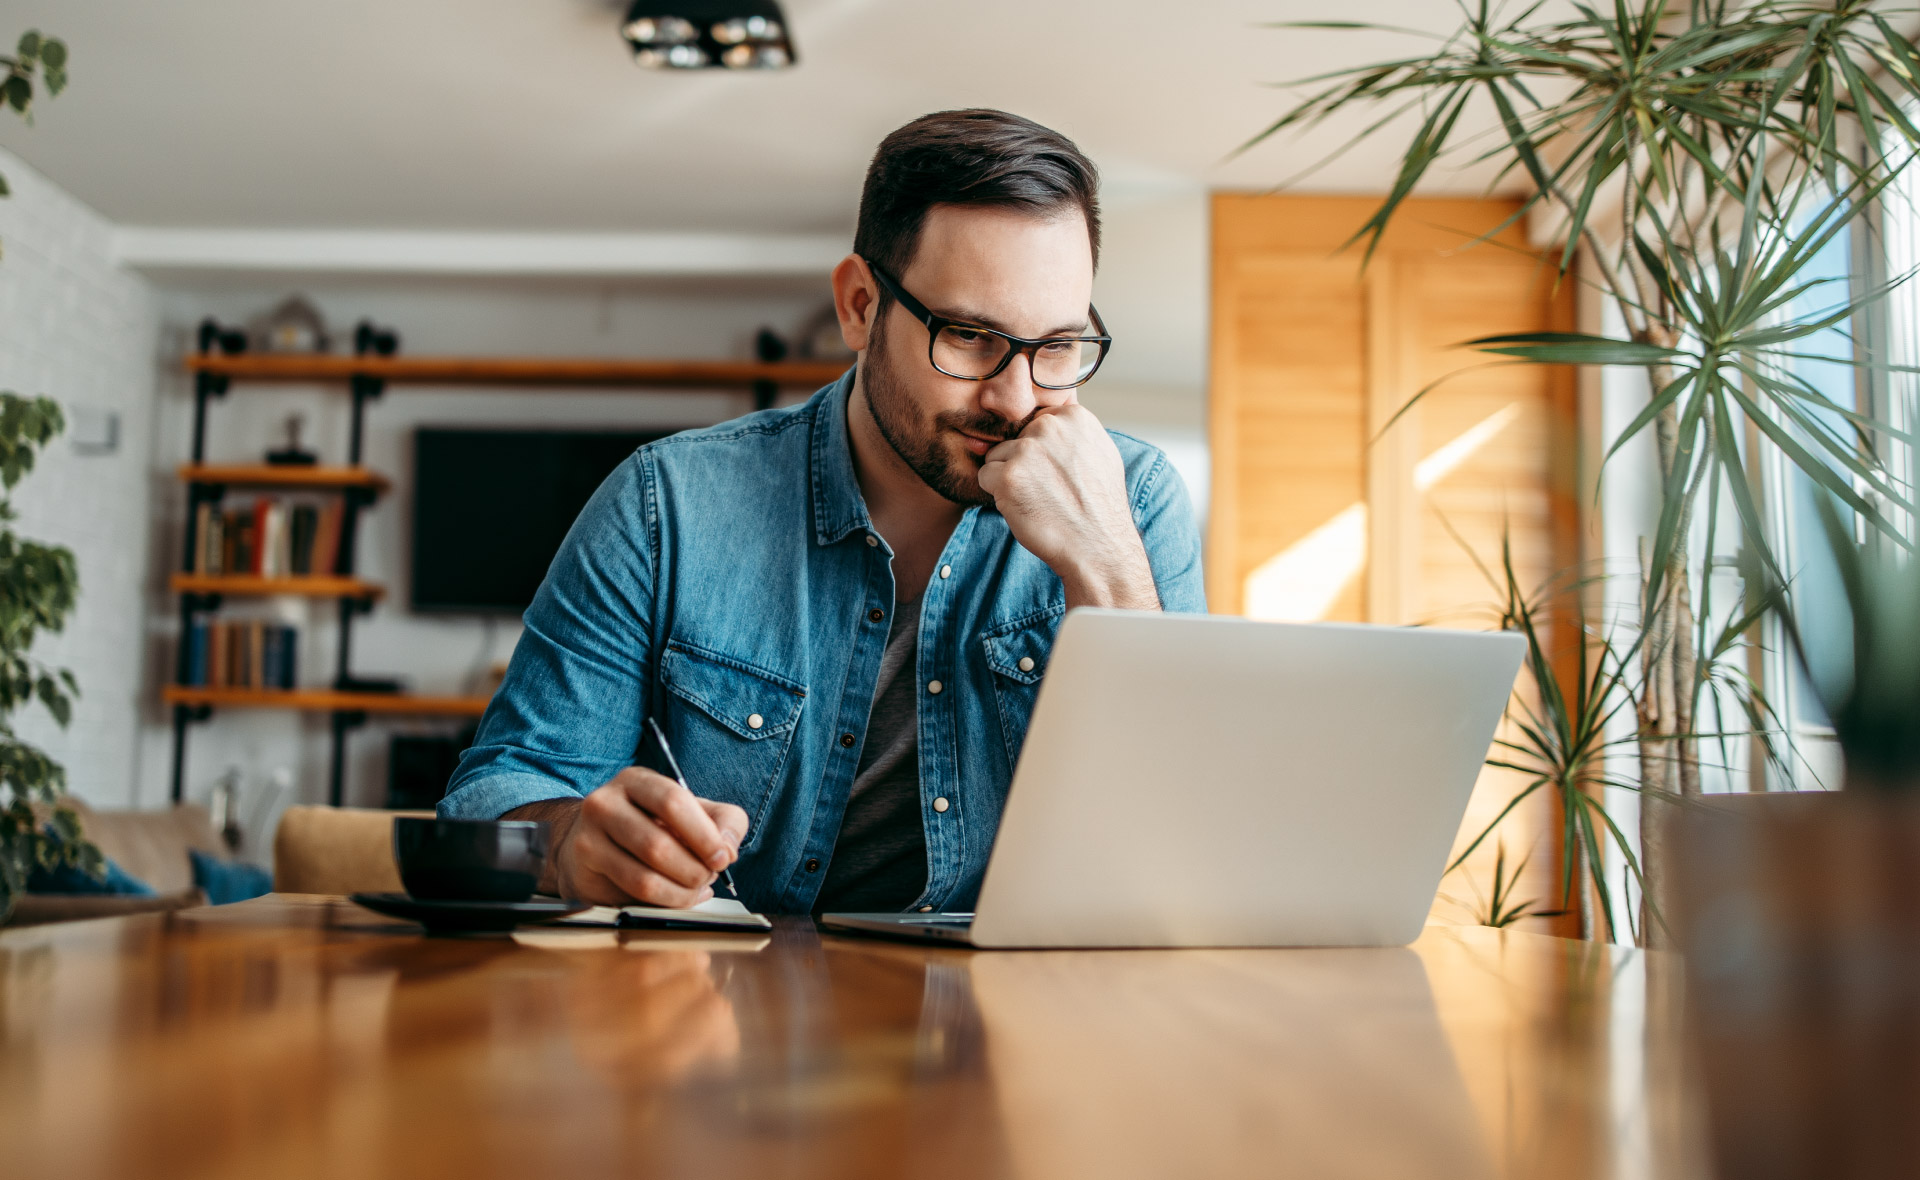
(968, 352)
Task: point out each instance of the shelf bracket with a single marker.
(344, 720)
(184, 715)
(368, 340)
(353, 500)
(205, 386)
(365, 389)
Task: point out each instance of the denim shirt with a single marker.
(729, 582)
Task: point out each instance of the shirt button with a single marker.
(934, 687)
(926, 909)
(755, 721)
(1026, 663)
(813, 865)
(946, 571)
(876, 614)
(846, 739)
(940, 804)
(872, 540)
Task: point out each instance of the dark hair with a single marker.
(976, 157)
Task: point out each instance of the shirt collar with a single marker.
(838, 506)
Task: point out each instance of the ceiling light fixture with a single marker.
(697, 34)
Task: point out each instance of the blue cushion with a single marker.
(228, 881)
(73, 879)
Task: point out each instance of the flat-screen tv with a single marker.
(490, 508)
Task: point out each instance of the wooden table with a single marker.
(302, 1036)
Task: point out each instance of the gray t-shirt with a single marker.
(879, 862)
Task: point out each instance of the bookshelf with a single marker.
(325, 700)
(295, 478)
(558, 372)
(254, 586)
(222, 363)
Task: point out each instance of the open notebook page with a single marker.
(719, 913)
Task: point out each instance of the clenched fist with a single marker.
(1062, 488)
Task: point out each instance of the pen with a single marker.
(673, 764)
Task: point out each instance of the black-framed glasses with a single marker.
(973, 353)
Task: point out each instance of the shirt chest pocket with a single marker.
(1017, 655)
(731, 726)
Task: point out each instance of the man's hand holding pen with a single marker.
(642, 837)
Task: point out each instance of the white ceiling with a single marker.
(528, 115)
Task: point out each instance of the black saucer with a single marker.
(467, 917)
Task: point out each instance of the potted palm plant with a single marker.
(1801, 914)
(1694, 158)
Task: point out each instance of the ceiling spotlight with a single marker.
(660, 30)
(693, 34)
(673, 57)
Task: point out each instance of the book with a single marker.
(326, 540)
(256, 655)
(198, 638)
(271, 539)
(303, 526)
(201, 563)
(719, 913)
(274, 561)
(239, 536)
(241, 654)
(213, 543)
(258, 535)
(217, 655)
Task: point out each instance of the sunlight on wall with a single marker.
(1300, 583)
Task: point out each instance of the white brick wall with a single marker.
(79, 329)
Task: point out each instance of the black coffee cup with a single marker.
(469, 859)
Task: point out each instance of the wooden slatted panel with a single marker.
(1292, 435)
(1515, 476)
(1312, 356)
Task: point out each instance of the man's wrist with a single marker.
(1123, 580)
(559, 816)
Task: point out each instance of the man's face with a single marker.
(998, 268)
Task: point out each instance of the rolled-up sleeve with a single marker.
(1163, 513)
(567, 717)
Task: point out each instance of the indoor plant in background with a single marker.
(1560, 733)
(1693, 157)
(37, 588)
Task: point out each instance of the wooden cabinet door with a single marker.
(1320, 509)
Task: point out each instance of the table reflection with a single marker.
(304, 1038)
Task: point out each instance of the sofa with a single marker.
(150, 845)
(334, 850)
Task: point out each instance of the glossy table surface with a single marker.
(299, 1036)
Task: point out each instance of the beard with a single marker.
(931, 447)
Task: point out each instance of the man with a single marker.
(840, 612)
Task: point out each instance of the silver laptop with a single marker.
(1201, 780)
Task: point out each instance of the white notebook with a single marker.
(719, 913)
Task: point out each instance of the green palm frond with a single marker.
(1741, 139)
(1561, 744)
